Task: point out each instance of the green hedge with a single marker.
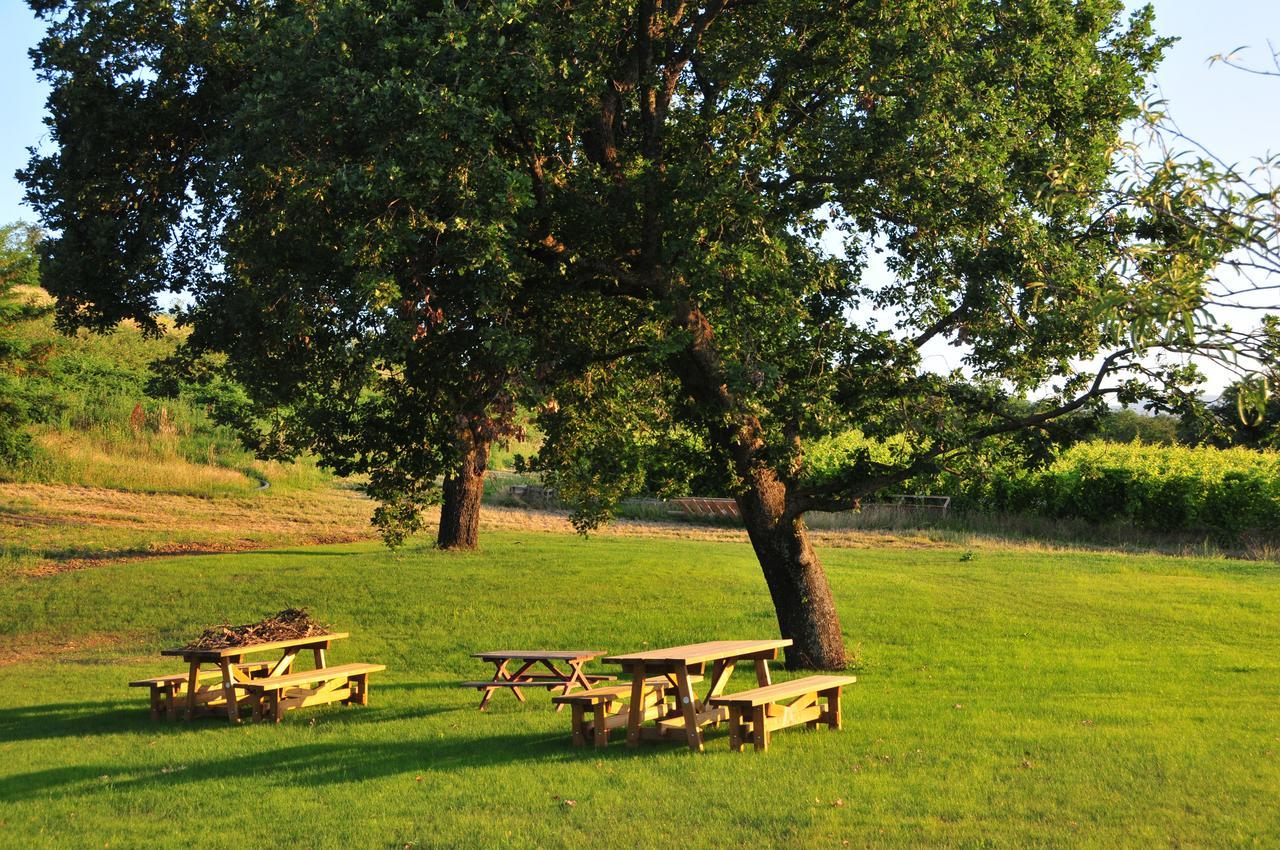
(1161, 488)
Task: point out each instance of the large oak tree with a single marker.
(690, 165)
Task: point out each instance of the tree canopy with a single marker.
(656, 217)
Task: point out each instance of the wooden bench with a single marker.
(274, 696)
(754, 714)
(165, 690)
(608, 707)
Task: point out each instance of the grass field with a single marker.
(1012, 698)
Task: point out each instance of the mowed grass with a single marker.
(1009, 700)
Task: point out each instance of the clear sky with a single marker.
(1236, 115)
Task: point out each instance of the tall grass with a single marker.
(95, 424)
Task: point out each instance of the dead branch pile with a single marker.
(288, 624)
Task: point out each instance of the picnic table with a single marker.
(553, 678)
(227, 691)
(680, 663)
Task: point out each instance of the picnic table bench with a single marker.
(755, 713)
(608, 707)
(231, 674)
(554, 678)
(681, 663)
(166, 690)
(274, 695)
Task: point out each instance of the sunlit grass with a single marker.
(1016, 698)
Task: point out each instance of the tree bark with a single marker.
(460, 513)
(801, 593)
(797, 583)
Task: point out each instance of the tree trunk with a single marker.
(798, 584)
(460, 513)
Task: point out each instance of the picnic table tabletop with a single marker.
(700, 653)
(227, 658)
(539, 654)
(691, 713)
(218, 654)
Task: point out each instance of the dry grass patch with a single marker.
(139, 467)
(46, 529)
(42, 646)
(49, 529)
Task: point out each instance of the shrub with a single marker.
(1227, 492)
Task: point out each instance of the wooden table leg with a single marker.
(832, 715)
(567, 678)
(601, 718)
(735, 728)
(760, 727)
(499, 675)
(172, 710)
(576, 678)
(721, 671)
(193, 682)
(689, 706)
(762, 672)
(318, 654)
(229, 691)
(635, 710)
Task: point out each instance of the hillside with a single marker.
(96, 425)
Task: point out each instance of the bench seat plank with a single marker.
(783, 690)
(181, 678)
(306, 677)
(755, 714)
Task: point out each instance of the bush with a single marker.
(1227, 492)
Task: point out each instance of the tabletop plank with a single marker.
(223, 652)
(698, 653)
(536, 654)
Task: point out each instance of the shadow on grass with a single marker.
(78, 719)
(301, 765)
(73, 719)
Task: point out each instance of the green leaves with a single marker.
(398, 219)
(20, 301)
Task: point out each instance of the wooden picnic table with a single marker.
(227, 659)
(679, 663)
(554, 678)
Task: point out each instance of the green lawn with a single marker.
(1019, 698)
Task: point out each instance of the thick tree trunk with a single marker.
(460, 514)
(801, 593)
(798, 584)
